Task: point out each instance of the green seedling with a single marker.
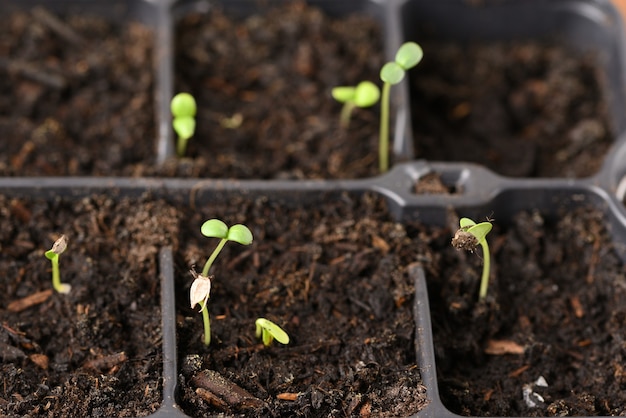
(469, 235)
(365, 94)
(407, 57)
(201, 286)
(268, 331)
(53, 254)
(183, 107)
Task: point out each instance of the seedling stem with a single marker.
(201, 286)
(53, 254)
(183, 107)
(407, 57)
(467, 237)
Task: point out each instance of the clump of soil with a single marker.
(333, 276)
(95, 352)
(76, 95)
(555, 310)
(263, 90)
(522, 109)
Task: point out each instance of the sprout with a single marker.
(53, 254)
(469, 235)
(183, 107)
(201, 286)
(268, 331)
(365, 94)
(407, 57)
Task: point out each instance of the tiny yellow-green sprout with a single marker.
(53, 254)
(183, 107)
(201, 286)
(407, 57)
(365, 94)
(269, 331)
(469, 235)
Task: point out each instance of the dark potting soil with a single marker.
(263, 90)
(95, 352)
(522, 109)
(555, 311)
(333, 276)
(76, 95)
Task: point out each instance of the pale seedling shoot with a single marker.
(365, 94)
(53, 254)
(201, 286)
(407, 57)
(469, 235)
(183, 107)
(269, 331)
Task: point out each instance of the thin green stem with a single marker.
(216, 251)
(346, 113)
(181, 146)
(484, 281)
(383, 150)
(207, 325)
(56, 275)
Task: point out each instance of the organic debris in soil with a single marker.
(263, 90)
(95, 352)
(333, 276)
(549, 340)
(522, 109)
(76, 95)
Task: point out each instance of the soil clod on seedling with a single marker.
(392, 73)
(468, 237)
(183, 107)
(53, 254)
(268, 331)
(201, 286)
(365, 94)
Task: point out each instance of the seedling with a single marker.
(183, 107)
(407, 57)
(53, 254)
(469, 235)
(268, 331)
(201, 286)
(365, 94)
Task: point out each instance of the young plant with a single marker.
(268, 331)
(470, 235)
(183, 107)
(53, 254)
(407, 57)
(201, 286)
(365, 94)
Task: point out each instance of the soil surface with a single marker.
(76, 95)
(263, 88)
(555, 311)
(522, 109)
(333, 276)
(95, 352)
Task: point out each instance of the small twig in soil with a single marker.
(222, 393)
(30, 300)
(579, 312)
(287, 396)
(57, 26)
(594, 256)
(106, 362)
(34, 73)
